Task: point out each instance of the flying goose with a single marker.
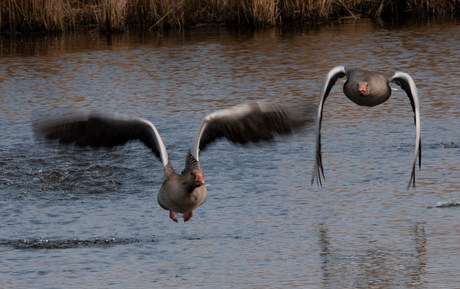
(179, 193)
(367, 88)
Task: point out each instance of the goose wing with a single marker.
(329, 81)
(244, 123)
(102, 130)
(407, 83)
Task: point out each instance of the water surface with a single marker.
(89, 218)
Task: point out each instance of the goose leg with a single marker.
(187, 216)
(172, 215)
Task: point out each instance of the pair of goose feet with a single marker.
(186, 216)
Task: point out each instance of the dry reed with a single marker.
(110, 15)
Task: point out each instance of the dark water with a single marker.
(73, 217)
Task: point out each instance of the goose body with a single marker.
(367, 88)
(179, 193)
(182, 193)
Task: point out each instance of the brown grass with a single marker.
(112, 15)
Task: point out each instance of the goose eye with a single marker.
(191, 173)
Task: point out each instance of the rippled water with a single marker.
(89, 218)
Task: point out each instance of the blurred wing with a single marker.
(247, 122)
(99, 130)
(407, 83)
(329, 81)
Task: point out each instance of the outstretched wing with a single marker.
(329, 81)
(247, 122)
(102, 130)
(407, 83)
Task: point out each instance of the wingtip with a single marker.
(316, 177)
(319, 183)
(412, 179)
(411, 185)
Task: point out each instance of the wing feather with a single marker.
(245, 123)
(329, 81)
(406, 82)
(102, 130)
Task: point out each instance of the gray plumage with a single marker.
(179, 193)
(367, 88)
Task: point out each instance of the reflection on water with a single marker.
(376, 267)
(89, 218)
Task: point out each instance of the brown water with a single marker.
(86, 218)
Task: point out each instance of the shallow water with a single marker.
(89, 218)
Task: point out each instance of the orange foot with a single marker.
(172, 215)
(187, 216)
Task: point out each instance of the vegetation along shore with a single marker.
(113, 15)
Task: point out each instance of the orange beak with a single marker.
(362, 89)
(199, 180)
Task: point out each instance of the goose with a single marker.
(367, 88)
(179, 193)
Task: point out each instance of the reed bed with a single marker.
(112, 15)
